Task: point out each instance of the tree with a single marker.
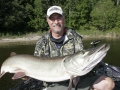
(118, 16)
(103, 15)
(77, 12)
(39, 16)
(14, 15)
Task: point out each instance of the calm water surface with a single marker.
(113, 56)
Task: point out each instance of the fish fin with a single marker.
(1, 74)
(18, 75)
(76, 80)
(70, 83)
(12, 53)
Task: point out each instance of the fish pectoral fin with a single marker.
(18, 75)
(76, 80)
(70, 83)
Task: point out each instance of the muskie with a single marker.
(54, 69)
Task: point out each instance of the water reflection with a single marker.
(5, 49)
(28, 48)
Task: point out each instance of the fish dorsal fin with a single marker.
(12, 53)
(18, 75)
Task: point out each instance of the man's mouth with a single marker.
(56, 25)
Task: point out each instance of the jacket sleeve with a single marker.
(40, 47)
(78, 43)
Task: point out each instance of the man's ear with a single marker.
(47, 19)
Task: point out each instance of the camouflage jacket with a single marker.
(47, 48)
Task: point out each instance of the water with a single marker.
(21, 48)
(28, 48)
(113, 55)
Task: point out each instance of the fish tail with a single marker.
(1, 73)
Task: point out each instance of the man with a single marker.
(61, 41)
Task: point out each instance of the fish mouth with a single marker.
(104, 47)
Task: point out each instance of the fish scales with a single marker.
(37, 67)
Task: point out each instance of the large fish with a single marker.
(54, 69)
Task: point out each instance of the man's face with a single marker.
(56, 22)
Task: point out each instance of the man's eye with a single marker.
(57, 18)
(52, 19)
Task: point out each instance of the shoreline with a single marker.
(22, 39)
(35, 38)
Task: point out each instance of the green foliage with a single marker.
(118, 16)
(38, 19)
(22, 16)
(14, 15)
(103, 15)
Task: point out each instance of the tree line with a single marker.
(22, 16)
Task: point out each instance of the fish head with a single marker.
(82, 63)
(97, 52)
(94, 56)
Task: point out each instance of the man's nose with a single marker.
(56, 21)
